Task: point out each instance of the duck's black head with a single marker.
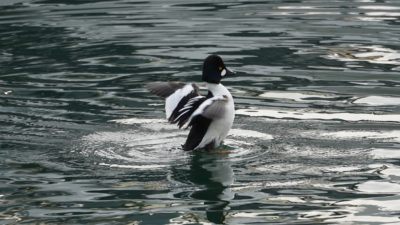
(214, 69)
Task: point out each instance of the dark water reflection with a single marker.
(316, 135)
(215, 176)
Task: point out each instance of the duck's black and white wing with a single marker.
(164, 89)
(181, 99)
(210, 109)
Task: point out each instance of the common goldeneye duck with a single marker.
(209, 117)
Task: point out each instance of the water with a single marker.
(316, 138)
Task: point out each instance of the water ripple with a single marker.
(315, 139)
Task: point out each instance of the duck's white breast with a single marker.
(219, 128)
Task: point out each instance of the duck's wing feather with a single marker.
(164, 89)
(216, 109)
(211, 108)
(198, 130)
(181, 99)
(182, 115)
(201, 118)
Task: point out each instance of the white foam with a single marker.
(292, 199)
(385, 153)
(163, 126)
(379, 7)
(366, 219)
(140, 150)
(389, 135)
(387, 205)
(392, 14)
(375, 18)
(250, 133)
(138, 121)
(392, 171)
(377, 187)
(299, 97)
(139, 167)
(307, 115)
(378, 100)
(341, 169)
(128, 137)
(296, 7)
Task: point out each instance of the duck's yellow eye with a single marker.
(220, 68)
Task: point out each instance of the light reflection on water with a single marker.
(316, 135)
(307, 115)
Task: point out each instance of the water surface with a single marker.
(316, 138)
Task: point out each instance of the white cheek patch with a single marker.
(223, 72)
